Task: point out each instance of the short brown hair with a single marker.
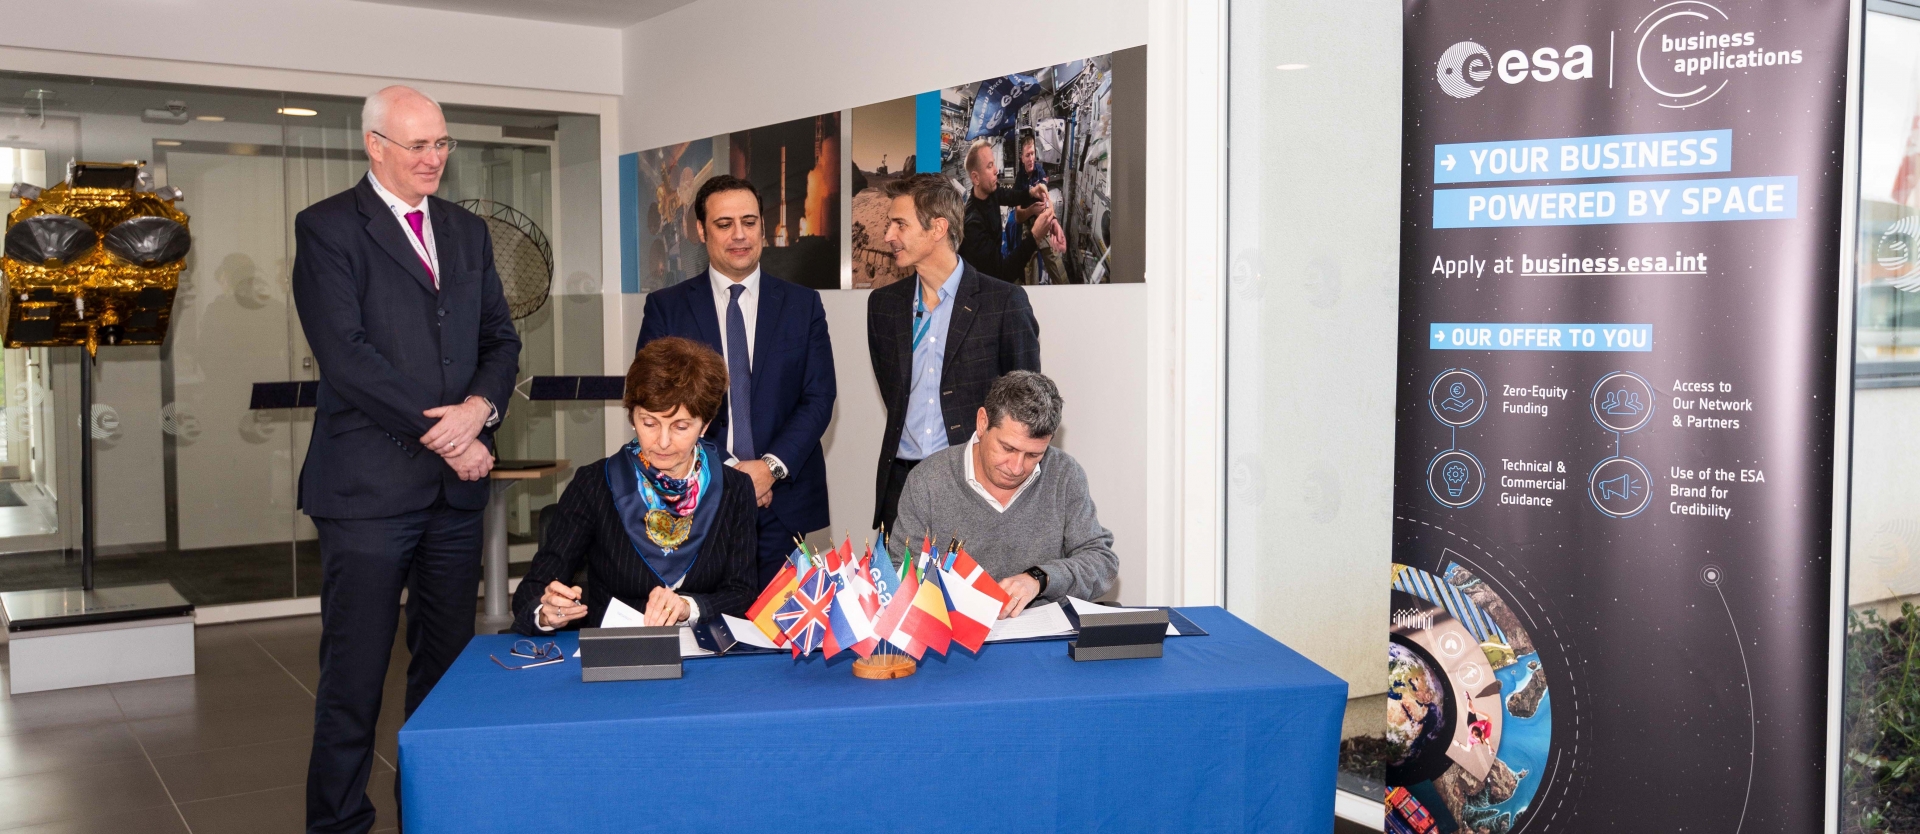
(672, 372)
(933, 196)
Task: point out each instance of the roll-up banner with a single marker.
(1620, 257)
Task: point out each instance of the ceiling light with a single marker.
(167, 143)
(297, 111)
(1291, 67)
(210, 118)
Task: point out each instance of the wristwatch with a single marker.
(773, 464)
(1038, 576)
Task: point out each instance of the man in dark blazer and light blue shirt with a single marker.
(940, 340)
(417, 353)
(773, 335)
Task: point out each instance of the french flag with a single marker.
(850, 621)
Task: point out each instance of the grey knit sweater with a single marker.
(1052, 524)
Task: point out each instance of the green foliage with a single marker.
(1881, 724)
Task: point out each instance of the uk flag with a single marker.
(804, 616)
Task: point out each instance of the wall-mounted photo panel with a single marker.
(1072, 135)
(1049, 132)
(796, 167)
(667, 241)
(883, 151)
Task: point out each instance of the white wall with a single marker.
(787, 61)
(783, 61)
(335, 36)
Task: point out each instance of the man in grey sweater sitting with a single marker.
(1021, 506)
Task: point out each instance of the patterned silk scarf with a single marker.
(666, 518)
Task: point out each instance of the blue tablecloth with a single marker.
(1228, 732)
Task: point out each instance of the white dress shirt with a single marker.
(981, 489)
(428, 253)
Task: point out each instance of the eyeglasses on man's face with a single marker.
(443, 147)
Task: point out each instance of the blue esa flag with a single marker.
(998, 103)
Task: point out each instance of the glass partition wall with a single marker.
(1880, 784)
(193, 486)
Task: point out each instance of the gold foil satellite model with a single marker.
(93, 260)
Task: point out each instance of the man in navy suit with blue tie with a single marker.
(780, 385)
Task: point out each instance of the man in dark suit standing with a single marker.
(937, 342)
(399, 300)
(779, 364)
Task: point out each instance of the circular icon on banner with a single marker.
(1470, 674)
(1622, 402)
(1620, 487)
(1451, 644)
(1455, 478)
(1457, 397)
(1711, 576)
(1464, 69)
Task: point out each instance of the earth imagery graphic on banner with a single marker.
(1468, 711)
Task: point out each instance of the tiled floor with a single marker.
(224, 750)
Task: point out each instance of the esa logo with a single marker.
(1466, 67)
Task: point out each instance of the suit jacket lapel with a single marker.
(700, 306)
(963, 314)
(903, 337)
(445, 239)
(386, 231)
(766, 315)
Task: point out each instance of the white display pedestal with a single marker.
(63, 638)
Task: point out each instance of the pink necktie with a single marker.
(414, 221)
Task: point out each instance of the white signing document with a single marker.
(1037, 621)
(622, 615)
(1081, 606)
(748, 633)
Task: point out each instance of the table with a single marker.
(493, 534)
(1228, 732)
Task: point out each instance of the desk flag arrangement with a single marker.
(833, 602)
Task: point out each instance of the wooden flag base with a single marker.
(884, 667)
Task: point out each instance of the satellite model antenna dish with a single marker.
(521, 254)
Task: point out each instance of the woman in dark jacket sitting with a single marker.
(663, 524)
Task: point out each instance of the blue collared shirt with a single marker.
(925, 431)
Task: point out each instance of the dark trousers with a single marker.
(776, 542)
(435, 555)
(890, 499)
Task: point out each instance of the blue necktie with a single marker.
(739, 376)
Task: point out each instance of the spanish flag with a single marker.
(774, 596)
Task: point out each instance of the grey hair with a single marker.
(373, 114)
(1029, 398)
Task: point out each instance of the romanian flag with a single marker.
(926, 624)
(977, 600)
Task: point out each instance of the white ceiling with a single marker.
(609, 13)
